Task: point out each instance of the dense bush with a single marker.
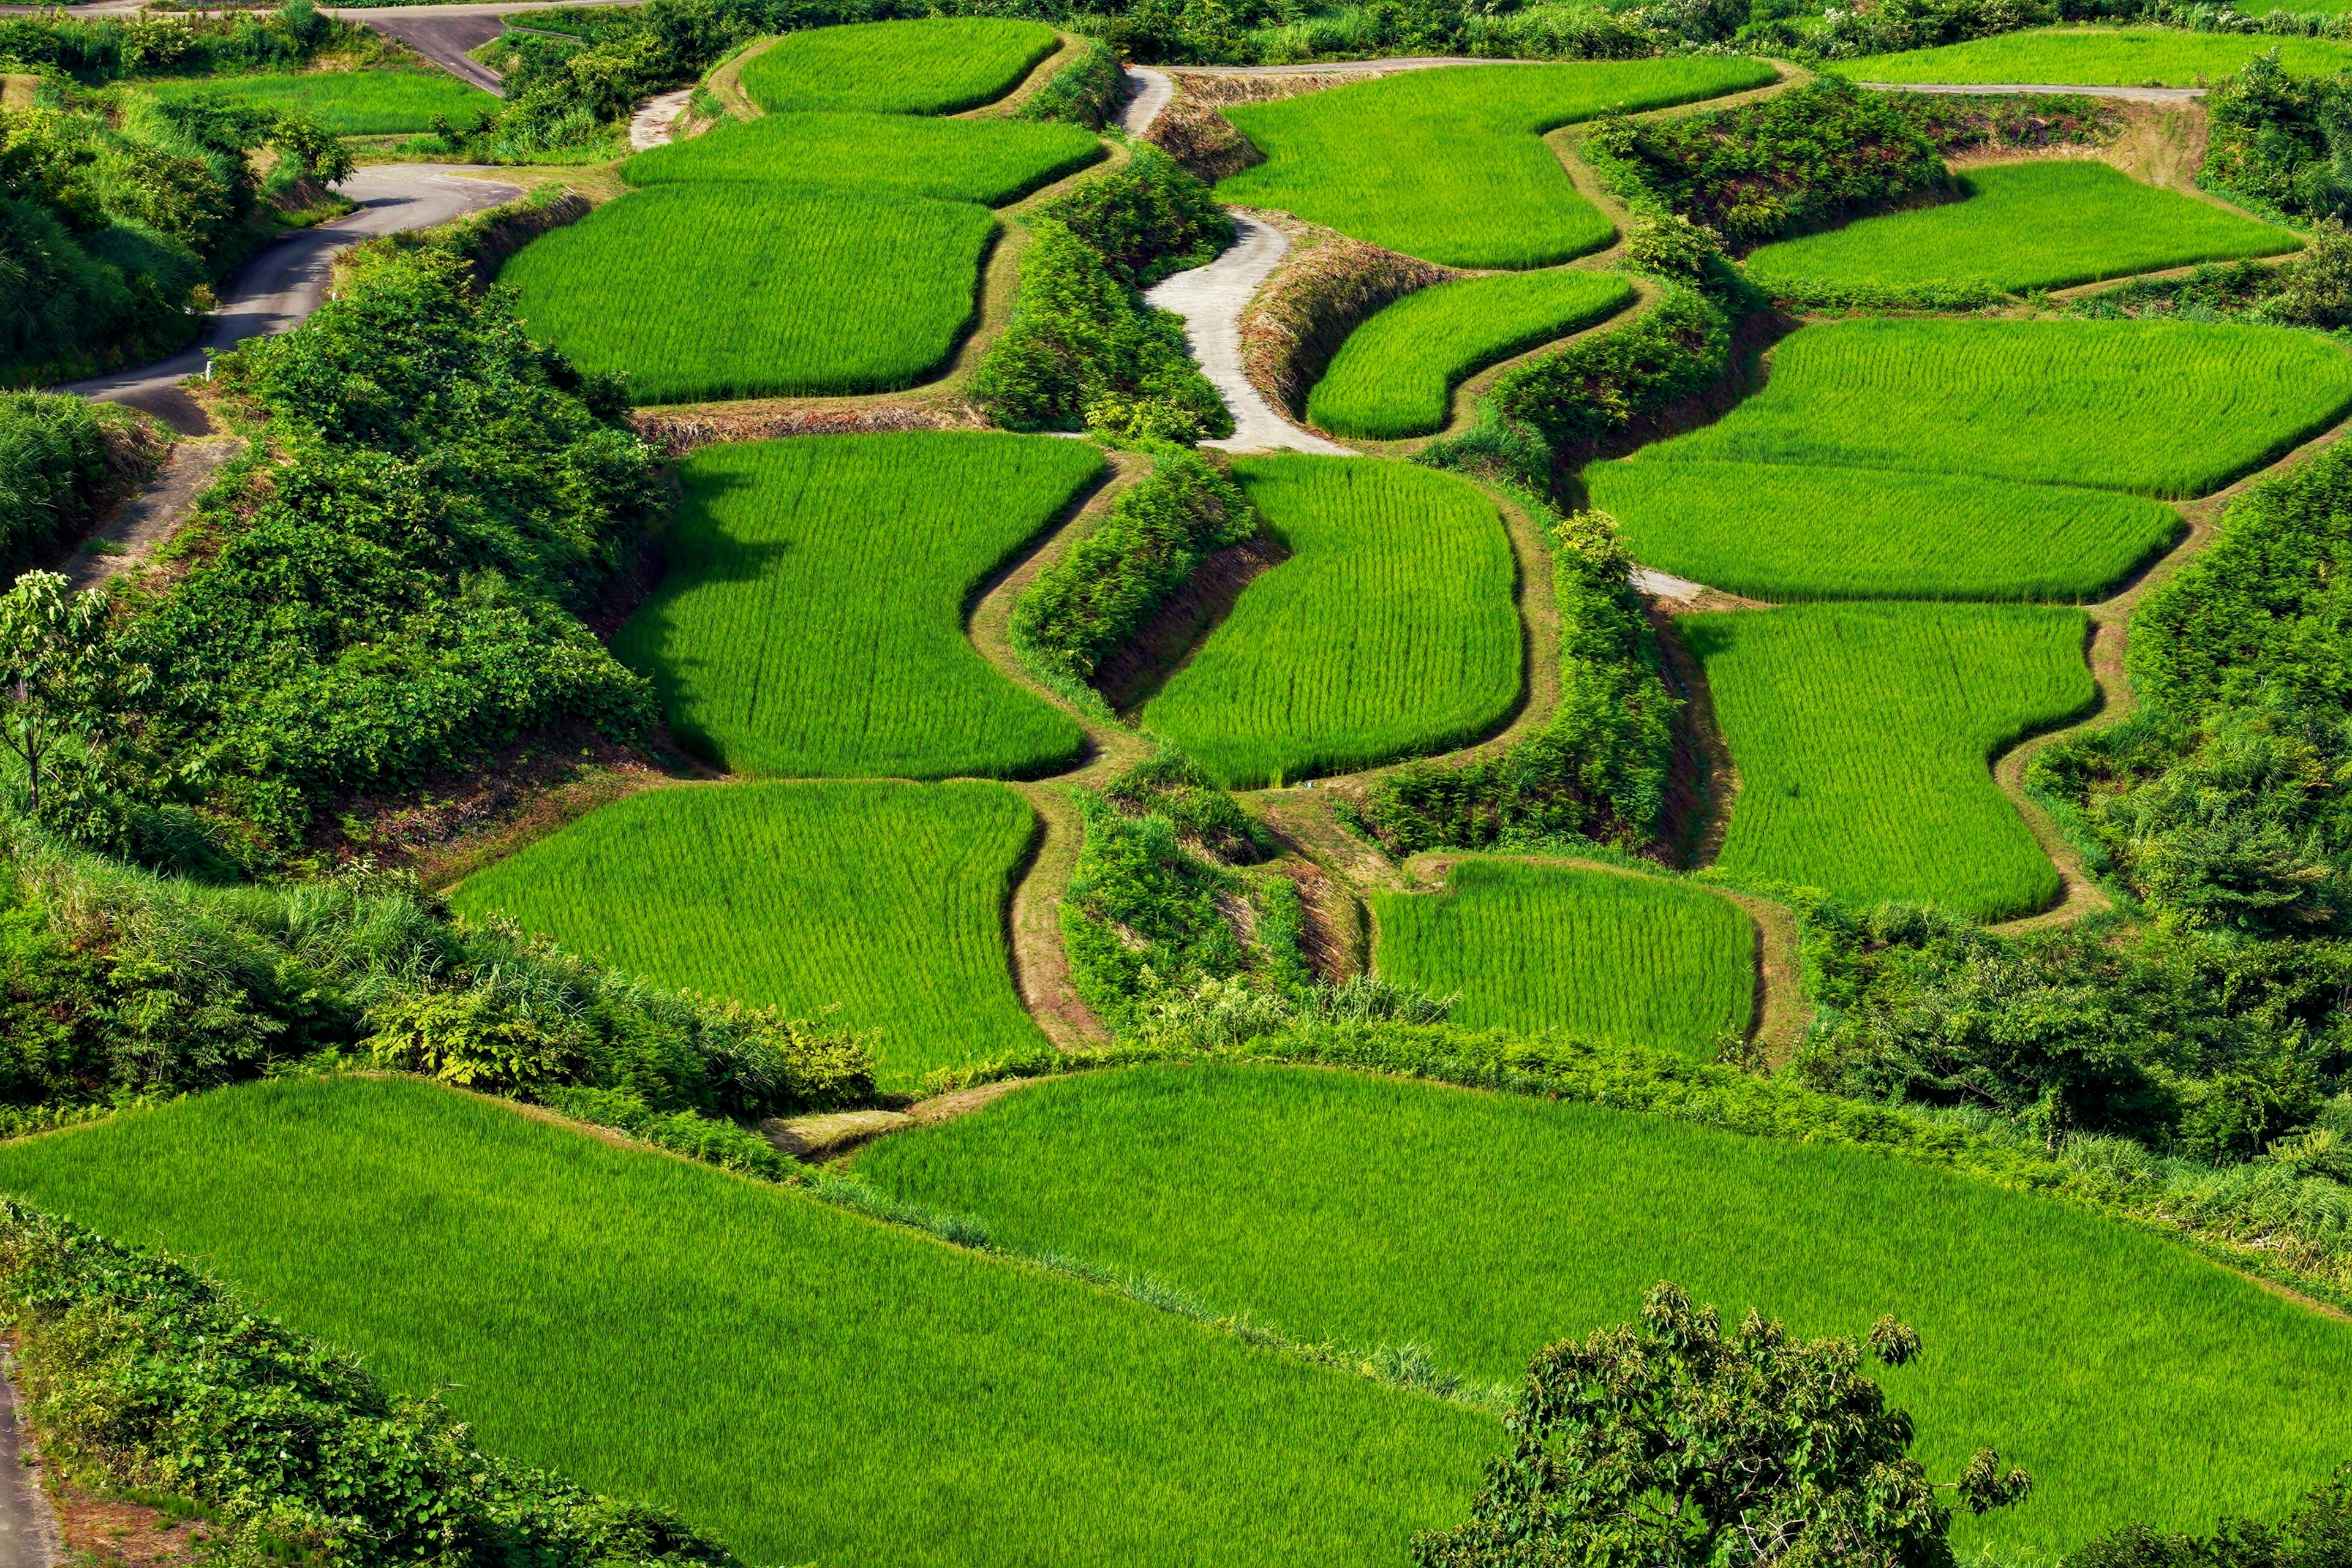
(1146, 220)
(116, 985)
(2316, 1533)
(2282, 143)
(1142, 912)
(1797, 161)
(1598, 385)
(396, 591)
(1113, 581)
(158, 1380)
(1086, 92)
(54, 463)
(1172, 785)
(1084, 349)
(1598, 771)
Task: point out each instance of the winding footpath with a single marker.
(1210, 300)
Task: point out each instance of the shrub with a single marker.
(1598, 385)
(1086, 92)
(1599, 770)
(1146, 220)
(1112, 583)
(2274, 138)
(2316, 1533)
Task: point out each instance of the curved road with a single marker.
(285, 282)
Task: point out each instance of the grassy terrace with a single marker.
(2101, 57)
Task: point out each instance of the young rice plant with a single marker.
(886, 901)
(346, 103)
(1446, 164)
(811, 624)
(1396, 374)
(1389, 631)
(806, 1384)
(936, 65)
(1602, 955)
(1864, 734)
(2101, 57)
(2134, 1379)
(987, 160)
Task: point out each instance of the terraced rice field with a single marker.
(936, 65)
(1445, 164)
(1864, 736)
(807, 1384)
(2018, 226)
(724, 290)
(1483, 1225)
(811, 624)
(887, 901)
(1395, 375)
(1389, 631)
(1599, 955)
(1775, 532)
(2160, 408)
(2101, 57)
(987, 160)
(347, 103)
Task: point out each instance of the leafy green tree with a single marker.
(1671, 1444)
(50, 666)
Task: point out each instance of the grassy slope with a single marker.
(2088, 57)
(1779, 533)
(888, 899)
(2023, 226)
(348, 103)
(1864, 734)
(1445, 164)
(807, 1384)
(932, 67)
(2161, 408)
(1390, 629)
(986, 161)
(2134, 1379)
(1637, 960)
(720, 290)
(1396, 374)
(811, 619)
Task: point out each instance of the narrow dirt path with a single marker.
(131, 534)
(650, 126)
(1210, 300)
(1041, 965)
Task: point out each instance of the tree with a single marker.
(49, 666)
(1668, 1444)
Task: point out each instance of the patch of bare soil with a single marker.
(1202, 142)
(1129, 678)
(1041, 967)
(676, 434)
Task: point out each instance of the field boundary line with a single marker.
(725, 79)
(1033, 923)
(1066, 47)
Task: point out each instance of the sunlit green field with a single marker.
(1864, 736)
(1395, 375)
(1389, 631)
(1777, 531)
(347, 103)
(2020, 225)
(2100, 57)
(725, 289)
(1599, 954)
(2160, 408)
(810, 622)
(885, 901)
(935, 66)
(1447, 164)
(2136, 1380)
(986, 161)
(810, 1386)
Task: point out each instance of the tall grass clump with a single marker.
(1601, 954)
(812, 620)
(879, 907)
(1447, 164)
(1390, 629)
(934, 65)
(54, 465)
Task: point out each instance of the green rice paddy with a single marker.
(1395, 375)
(1446, 164)
(987, 160)
(811, 624)
(2160, 408)
(936, 65)
(725, 289)
(1599, 954)
(1772, 531)
(810, 1386)
(1864, 736)
(2136, 1380)
(347, 103)
(2043, 224)
(2101, 57)
(885, 901)
(1389, 631)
